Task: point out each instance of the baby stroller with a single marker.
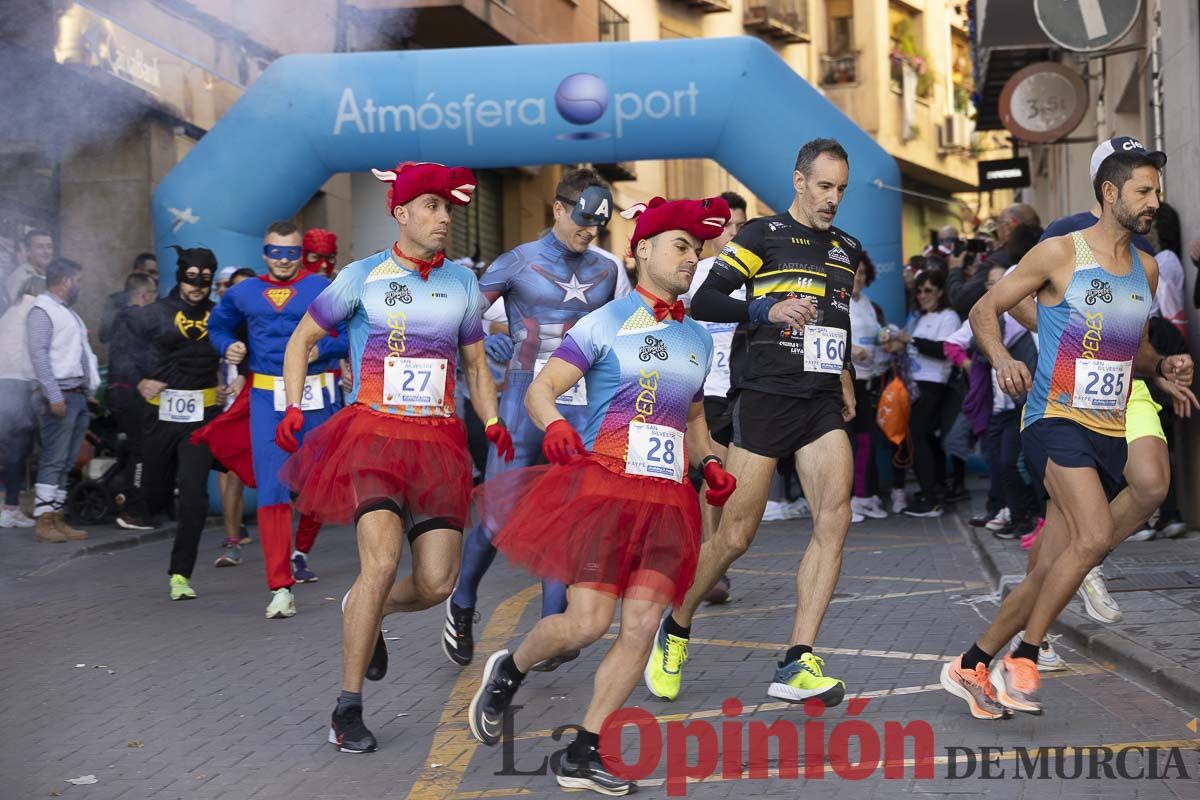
(97, 485)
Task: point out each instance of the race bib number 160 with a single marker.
(824, 349)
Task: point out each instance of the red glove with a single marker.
(562, 443)
(720, 483)
(288, 427)
(498, 435)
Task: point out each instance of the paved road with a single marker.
(208, 700)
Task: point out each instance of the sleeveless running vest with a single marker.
(1088, 344)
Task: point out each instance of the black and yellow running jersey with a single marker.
(778, 257)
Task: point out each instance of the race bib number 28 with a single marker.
(312, 398)
(656, 451)
(1101, 385)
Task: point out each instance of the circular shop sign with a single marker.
(1086, 26)
(1043, 102)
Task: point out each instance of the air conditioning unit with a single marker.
(955, 132)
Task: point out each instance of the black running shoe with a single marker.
(554, 662)
(589, 772)
(458, 641)
(719, 594)
(378, 666)
(496, 690)
(348, 732)
(924, 508)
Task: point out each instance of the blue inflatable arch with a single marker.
(311, 116)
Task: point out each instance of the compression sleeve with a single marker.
(712, 302)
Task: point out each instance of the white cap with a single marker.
(1123, 144)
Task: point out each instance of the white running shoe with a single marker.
(999, 522)
(856, 517)
(899, 501)
(774, 511)
(1096, 599)
(11, 517)
(867, 507)
(797, 509)
(1144, 535)
(1048, 659)
(283, 604)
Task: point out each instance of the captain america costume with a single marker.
(547, 288)
(270, 310)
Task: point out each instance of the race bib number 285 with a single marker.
(1101, 385)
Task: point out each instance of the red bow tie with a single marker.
(663, 309)
(423, 267)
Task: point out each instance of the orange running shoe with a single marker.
(973, 686)
(1017, 684)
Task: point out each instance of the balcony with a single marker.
(709, 6)
(839, 70)
(783, 20)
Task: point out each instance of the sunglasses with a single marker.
(278, 252)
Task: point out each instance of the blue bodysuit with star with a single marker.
(547, 288)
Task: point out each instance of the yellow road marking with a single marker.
(452, 745)
(792, 574)
(1007, 755)
(760, 708)
(490, 793)
(963, 587)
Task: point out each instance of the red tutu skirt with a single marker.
(586, 524)
(359, 455)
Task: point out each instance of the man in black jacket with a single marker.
(180, 392)
(126, 366)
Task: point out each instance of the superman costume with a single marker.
(270, 310)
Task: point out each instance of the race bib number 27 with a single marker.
(419, 382)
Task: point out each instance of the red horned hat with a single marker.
(412, 179)
(704, 219)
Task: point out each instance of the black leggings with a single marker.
(924, 428)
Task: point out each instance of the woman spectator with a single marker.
(928, 326)
(1167, 239)
(866, 321)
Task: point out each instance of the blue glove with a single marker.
(499, 347)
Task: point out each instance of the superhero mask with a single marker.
(594, 207)
(320, 251)
(278, 252)
(195, 266)
(410, 180)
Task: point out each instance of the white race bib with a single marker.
(313, 398)
(181, 405)
(656, 451)
(414, 381)
(575, 396)
(1101, 385)
(824, 349)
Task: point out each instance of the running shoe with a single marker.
(899, 501)
(797, 509)
(349, 734)
(1017, 684)
(554, 662)
(1048, 659)
(131, 523)
(1096, 600)
(283, 604)
(866, 507)
(300, 571)
(181, 589)
(974, 687)
(664, 670)
(1028, 539)
(491, 701)
(231, 555)
(1002, 518)
(1006, 533)
(802, 680)
(244, 536)
(775, 511)
(980, 520)
(458, 640)
(377, 667)
(1144, 535)
(719, 594)
(1169, 528)
(924, 507)
(856, 518)
(11, 517)
(589, 772)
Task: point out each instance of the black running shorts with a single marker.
(776, 426)
(1069, 444)
(716, 414)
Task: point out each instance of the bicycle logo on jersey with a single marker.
(654, 347)
(1100, 291)
(397, 292)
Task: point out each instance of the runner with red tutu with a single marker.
(613, 516)
(395, 459)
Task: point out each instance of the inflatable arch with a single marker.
(311, 116)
